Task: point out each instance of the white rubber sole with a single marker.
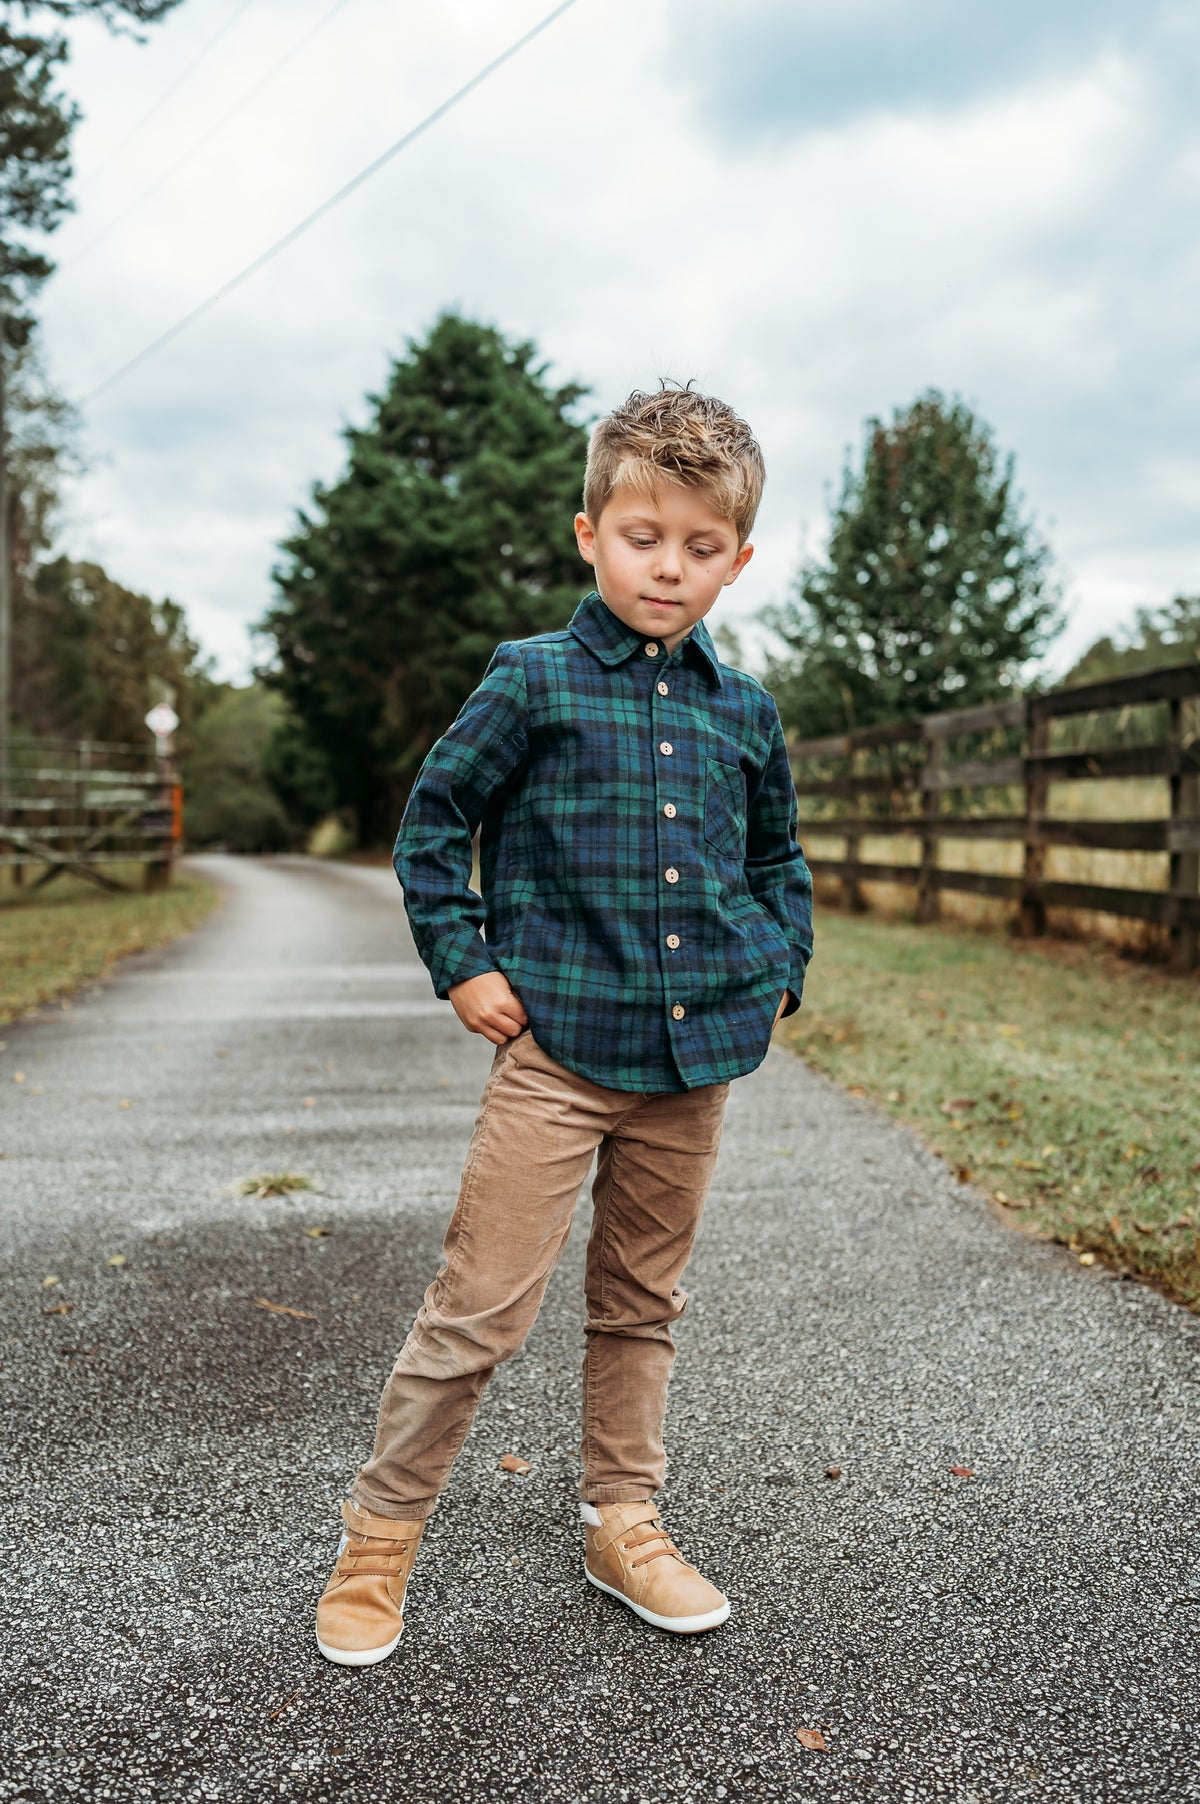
(675, 1625)
(349, 1656)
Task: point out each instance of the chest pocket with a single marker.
(725, 808)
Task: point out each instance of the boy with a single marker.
(648, 919)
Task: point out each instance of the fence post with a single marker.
(1033, 910)
(1183, 834)
(852, 896)
(928, 897)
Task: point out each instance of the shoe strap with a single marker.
(646, 1535)
(645, 1530)
(381, 1558)
(612, 1531)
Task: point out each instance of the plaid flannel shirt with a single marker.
(643, 891)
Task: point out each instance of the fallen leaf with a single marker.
(958, 1105)
(82, 1352)
(833, 1471)
(963, 1173)
(1144, 1227)
(51, 1280)
(1087, 1258)
(1001, 1197)
(116, 1259)
(286, 1705)
(310, 1102)
(18, 1077)
(221, 1052)
(1051, 1152)
(317, 1233)
(512, 1463)
(59, 1309)
(125, 1105)
(282, 1309)
(1114, 1222)
(895, 1096)
(963, 1471)
(812, 1738)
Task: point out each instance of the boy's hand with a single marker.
(489, 1005)
(783, 1002)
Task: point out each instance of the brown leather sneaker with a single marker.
(632, 1557)
(359, 1618)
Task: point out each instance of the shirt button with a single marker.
(679, 1011)
(671, 874)
(670, 810)
(662, 689)
(651, 648)
(666, 748)
(673, 941)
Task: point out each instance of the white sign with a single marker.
(162, 721)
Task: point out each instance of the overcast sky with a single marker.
(818, 208)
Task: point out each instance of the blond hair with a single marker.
(676, 435)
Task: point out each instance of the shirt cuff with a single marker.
(459, 964)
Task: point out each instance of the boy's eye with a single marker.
(704, 550)
(642, 544)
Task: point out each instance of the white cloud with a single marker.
(591, 199)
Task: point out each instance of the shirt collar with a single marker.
(610, 640)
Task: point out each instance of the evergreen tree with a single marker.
(936, 591)
(449, 531)
(36, 122)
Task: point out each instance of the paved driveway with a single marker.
(175, 1451)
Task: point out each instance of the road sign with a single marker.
(162, 721)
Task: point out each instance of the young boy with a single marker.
(646, 919)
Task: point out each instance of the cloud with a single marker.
(778, 67)
(1022, 242)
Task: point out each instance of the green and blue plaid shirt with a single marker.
(643, 891)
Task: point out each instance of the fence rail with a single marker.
(86, 807)
(985, 773)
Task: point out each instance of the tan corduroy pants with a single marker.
(538, 1129)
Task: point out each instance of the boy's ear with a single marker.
(585, 538)
(739, 563)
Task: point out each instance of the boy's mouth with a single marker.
(662, 601)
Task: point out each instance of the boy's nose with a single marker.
(667, 568)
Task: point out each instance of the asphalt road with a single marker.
(176, 1452)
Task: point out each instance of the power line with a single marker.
(173, 87)
(327, 206)
(205, 137)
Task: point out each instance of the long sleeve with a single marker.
(776, 870)
(470, 764)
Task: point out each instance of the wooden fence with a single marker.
(87, 808)
(986, 773)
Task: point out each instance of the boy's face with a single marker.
(660, 565)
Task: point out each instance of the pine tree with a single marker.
(936, 591)
(449, 531)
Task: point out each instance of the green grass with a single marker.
(52, 943)
(1061, 1079)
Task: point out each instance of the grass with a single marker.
(53, 942)
(274, 1183)
(1057, 1077)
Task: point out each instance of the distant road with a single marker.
(176, 1450)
